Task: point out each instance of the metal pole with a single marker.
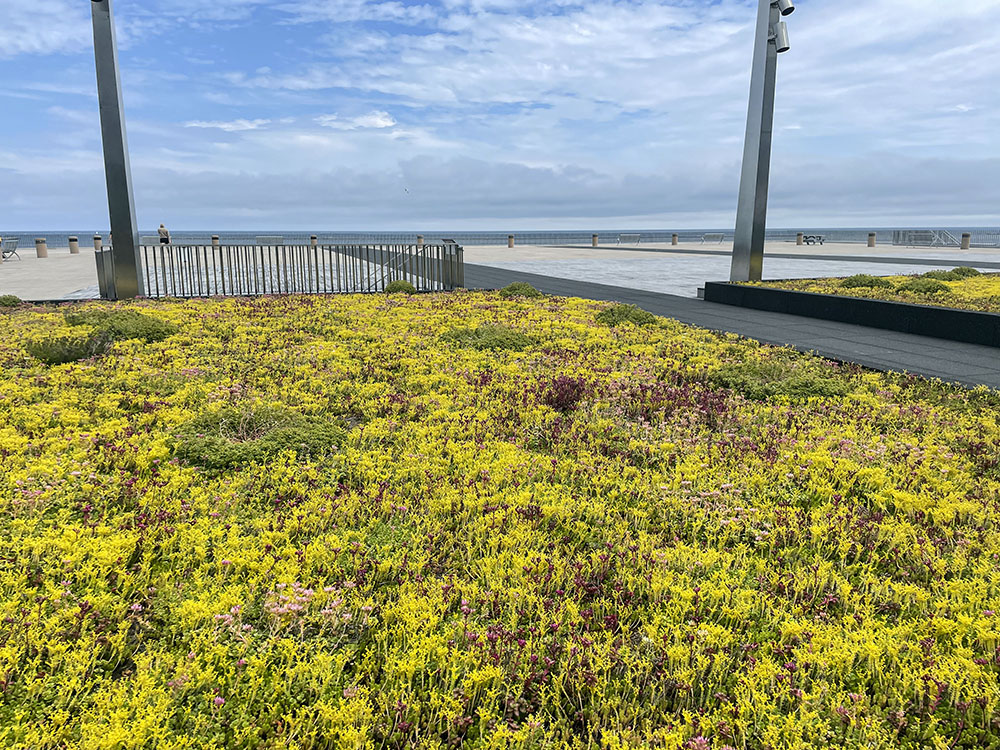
(121, 205)
(751, 217)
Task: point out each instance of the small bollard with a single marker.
(74, 245)
(41, 248)
(313, 240)
(674, 239)
(595, 240)
(215, 240)
(800, 238)
(98, 244)
(420, 240)
(871, 239)
(510, 240)
(966, 240)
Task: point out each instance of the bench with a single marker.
(712, 237)
(9, 248)
(629, 239)
(814, 239)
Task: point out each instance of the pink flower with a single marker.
(219, 701)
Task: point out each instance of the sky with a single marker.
(332, 115)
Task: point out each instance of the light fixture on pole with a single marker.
(751, 215)
(126, 276)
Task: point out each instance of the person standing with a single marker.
(164, 235)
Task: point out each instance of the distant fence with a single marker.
(982, 237)
(250, 270)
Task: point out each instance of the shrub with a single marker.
(941, 276)
(519, 289)
(9, 300)
(59, 350)
(618, 314)
(924, 286)
(230, 437)
(965, 272)
(864, 280)
(488, 337)
(120, 325)
(762, 380)
(400, 287)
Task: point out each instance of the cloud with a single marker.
(235, 126)
(375, 119)
(42, 27)
(510, 110)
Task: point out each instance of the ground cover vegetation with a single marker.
(963, 288)
(349, 522)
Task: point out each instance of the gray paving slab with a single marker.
(951, 361)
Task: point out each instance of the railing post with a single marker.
(99, 260)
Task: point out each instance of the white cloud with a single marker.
(42, 27)
(375, 119)
(234, 126)
(562, 108)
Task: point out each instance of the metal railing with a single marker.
(925, 238)
(251, 270)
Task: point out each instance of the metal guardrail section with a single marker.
(249, 270)
(985, 238)
(925, 238)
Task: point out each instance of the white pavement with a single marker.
(59, 276)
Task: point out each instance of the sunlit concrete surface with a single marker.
(60, 276)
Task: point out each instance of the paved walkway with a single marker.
(967, 364)
(971, 257)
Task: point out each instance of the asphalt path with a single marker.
(888, 351)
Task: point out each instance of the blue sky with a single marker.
(501, 114)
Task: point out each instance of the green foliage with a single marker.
(58, 350)
(866, 281)
(107, 327)
(955, 274)
(229, 437)
(9, 300)
(519, 289)
(618, 314)
(400, 287)
(925, 286)
(488, 337)
(794, 377)
(120, 325)
(965, 272)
